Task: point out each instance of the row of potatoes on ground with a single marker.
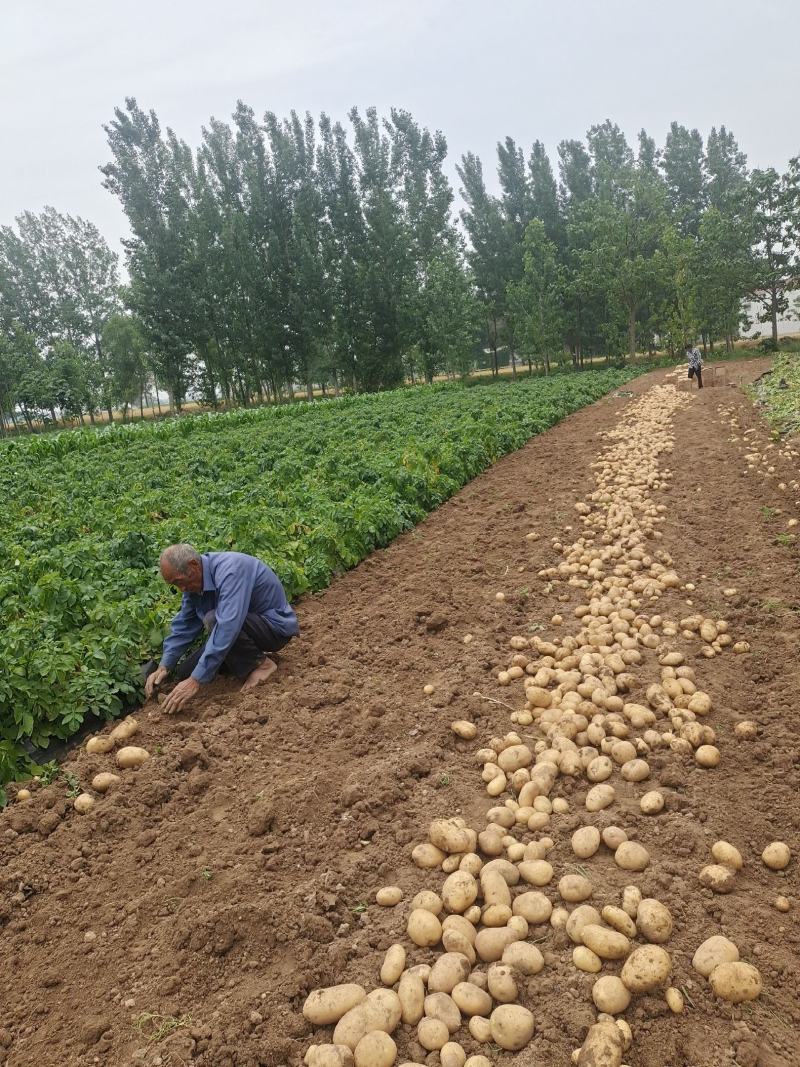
(577, 698)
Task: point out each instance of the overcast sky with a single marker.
(476, 69)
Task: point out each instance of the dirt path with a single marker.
(186, 918)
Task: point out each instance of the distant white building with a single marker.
(789, 324)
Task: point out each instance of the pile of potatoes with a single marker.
(579, 720)
(764, 461)
(127, 757)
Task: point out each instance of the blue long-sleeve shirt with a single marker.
(234, 585)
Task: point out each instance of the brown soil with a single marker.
(237, 869)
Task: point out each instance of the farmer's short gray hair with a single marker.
(179, 557)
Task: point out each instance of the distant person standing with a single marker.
(695, 361)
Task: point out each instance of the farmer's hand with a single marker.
(180, 695)
(154, 679)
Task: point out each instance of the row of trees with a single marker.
(629, 251)
(299, 252)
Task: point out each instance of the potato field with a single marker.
(524, 791)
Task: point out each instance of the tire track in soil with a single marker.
(226, 878)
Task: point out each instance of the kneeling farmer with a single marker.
(242, 606)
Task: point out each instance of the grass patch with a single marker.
(154, 1027)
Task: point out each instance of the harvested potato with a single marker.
(411, 994)
(375, 1049)
(508, 871)
(381, 1010)
(707, 756)
(23, 794)
(424, 928)
(635, 770)
(619, 920)
(427, 856)
(603, 1046)
(717, 878)
(712, 952)
(674, 999)
(462, 925)
(610, 995)
(512, 1026)
(574, 888)
(83, 803)
(577, 919)
(585, 841)
(442, 1006)
(600, 796)
(782, 903)
(631, 899)
(448, 970)
(131, 757)
(524, 958)
(654, 921)
(613, 836)
(432, 1034)
(631, 856)
(328, 1056)
(103, 781)
(389, 896)
(459, 891)
(536, 872)
(491, 942)
(736, 982)
(646, 968)
(746, 730)
(479, 1061)
(514, 757)
(325, 1006)
(501, 983)
(586, 960)
(480, 1028)
(452, 1055)
(394, 963)
(99, 745)
(464, 729)
(471, 1000)
(428, 901)
(605, 943)
(727, 854)
(448, 836)
(652, 802)
(124, 730)
(533, 906)
(777, 855)
(496, 915)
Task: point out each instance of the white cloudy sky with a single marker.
(477, 69)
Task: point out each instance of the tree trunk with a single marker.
(91, 416)
(141, 405)
(309, 390)
(632, 332)
(774, 316)
(110, 413)
(513, 363)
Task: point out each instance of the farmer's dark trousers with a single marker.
(255, 639)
